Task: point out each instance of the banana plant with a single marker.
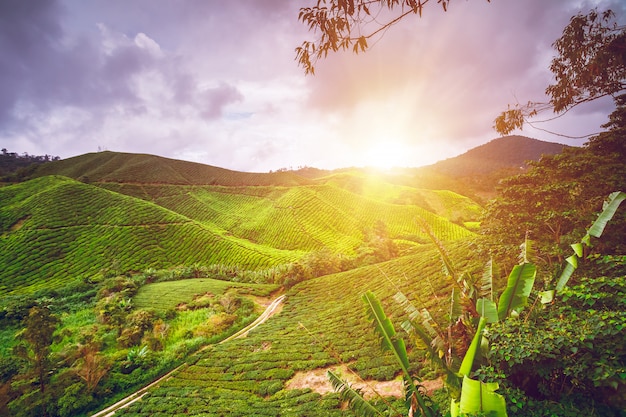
(609, 208)
(415, 400)
(468, 395)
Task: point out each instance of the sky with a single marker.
(217, 82)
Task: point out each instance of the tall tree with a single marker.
(590, 64)
(38, 337)
(350, 24)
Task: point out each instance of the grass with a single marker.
(162, 296)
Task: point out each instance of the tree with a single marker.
(38, 337)
(559, 195)
(40, 326)
(591, 63)
(345, 24)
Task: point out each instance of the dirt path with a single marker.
(272, 309)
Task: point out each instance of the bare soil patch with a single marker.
(317, 381)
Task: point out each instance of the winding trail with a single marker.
(136, 396)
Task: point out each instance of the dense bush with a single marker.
(571, 352)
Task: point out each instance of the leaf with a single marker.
(389, 341)
(455, 306)
(470, 355)
(573, 260)
(385, 330)
(352, 396)
(486, 283)
(480, 397)
(547, 296)
(565, 276)
(487, 309)
(578, 249)
(608, 211)
(519, 285)
(527, 251)
(609, 208)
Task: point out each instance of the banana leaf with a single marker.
(353, 396)
(487, 309)
(486, 283)
(386, 332)
(455, 306)
(597, 228)
(519, 285)
(470, 355)
(479, 397)
(608, 211)
(389, 341)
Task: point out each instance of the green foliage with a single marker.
(162, 296)
(249, 376)
(519, 285)
(589, 65)
(573, 351)
(344, 25)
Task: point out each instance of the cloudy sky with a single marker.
(216, 81)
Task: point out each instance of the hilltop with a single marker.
(123, 167)
(497, 154)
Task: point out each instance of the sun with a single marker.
(386, 154)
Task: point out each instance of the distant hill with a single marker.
(150, 169)
(498, 154)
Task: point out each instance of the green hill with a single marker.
(501, 153)
(150, 169)
(55, 230)
(133, 212)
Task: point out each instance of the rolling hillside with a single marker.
(322, 324)
(57, 230)
(122, 212)
(136, 211)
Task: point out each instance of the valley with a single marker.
(143, 265)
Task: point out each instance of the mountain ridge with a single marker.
(108, 166)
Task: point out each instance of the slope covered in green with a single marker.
(305, 218)
(323, 323)
(150, 169)
(55, 230)
(133, 212)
